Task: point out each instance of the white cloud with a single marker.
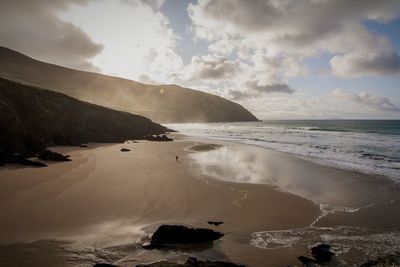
(368, 100)
(337, 104)
(136, 36)
(269, 88)
(34, 28)
(300, 29)
(211, 67)
(357, 64)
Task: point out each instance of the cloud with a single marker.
(238, 95)
(359, 64)
(253, 90)
(285, 18)
(287, 29)
(33, 28)
(368, 100)
(137, 38)
(145, 78)
(269, 88)
(155, 4)
(213, 67)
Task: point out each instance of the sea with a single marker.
(365, 146)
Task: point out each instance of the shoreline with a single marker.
(315, 161)
(354, 149)
(119, 197)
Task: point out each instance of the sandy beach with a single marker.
(100, 206)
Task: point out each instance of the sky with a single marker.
(281, 59)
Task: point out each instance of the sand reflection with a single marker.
(321, 184)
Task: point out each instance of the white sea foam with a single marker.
(344, 240)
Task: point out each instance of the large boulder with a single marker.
(321, 253)
(170, 235)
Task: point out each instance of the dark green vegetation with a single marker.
(32, 119)
(161, 103)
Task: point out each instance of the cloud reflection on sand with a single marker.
(320, 184)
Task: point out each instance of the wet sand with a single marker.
(99, 206)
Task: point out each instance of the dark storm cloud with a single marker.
(32, 27)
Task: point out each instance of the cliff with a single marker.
(32, 119)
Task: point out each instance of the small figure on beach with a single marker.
(177, 158)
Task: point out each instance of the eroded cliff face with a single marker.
(161, 103)
(32, 119)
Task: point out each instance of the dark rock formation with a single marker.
(161, 103)
(162, 138)
(215, 223)
(170, 235)
(50, 155)
(125, 150)
(7, 157)
(192, 262)
(321, 253)
(31, 119)
(27, 162)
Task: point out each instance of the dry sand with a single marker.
(96, 207)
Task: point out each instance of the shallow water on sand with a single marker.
(358, 212)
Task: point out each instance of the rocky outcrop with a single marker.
(161, 103)
(192, 262)
(32, 119)
(53, 156)
(215, 223)
(160, 138)
(125, 150)
(172, 235)
(7, 157)
(321, 253)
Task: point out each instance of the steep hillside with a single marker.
(32, 118)
(161, 103)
